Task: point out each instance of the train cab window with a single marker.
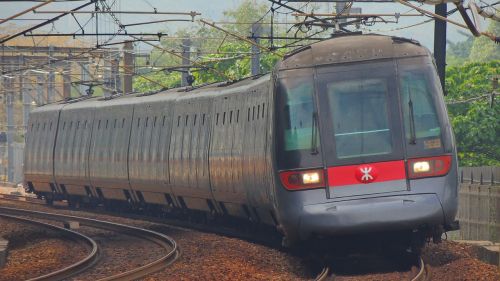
(298, 143)
(420, 115)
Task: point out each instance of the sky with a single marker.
(213, 10)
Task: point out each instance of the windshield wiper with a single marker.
(413, 136)
(314, 137)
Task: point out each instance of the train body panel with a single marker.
(344, 137)
(39, 154)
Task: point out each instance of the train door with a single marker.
(361, 129)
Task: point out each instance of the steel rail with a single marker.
(422, 275)
(82, 265)
(323, 275)
(166, 242)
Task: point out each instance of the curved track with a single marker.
(172, 250)
(73, 269)
(422, 275)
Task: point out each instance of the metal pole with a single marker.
(256, 28)
(128, 66)
(10, 131)
(51, 86)
(67, 80)
(186, 52)
(26, 11)
(440, 43)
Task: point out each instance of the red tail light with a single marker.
(429, 167)
(299, 180)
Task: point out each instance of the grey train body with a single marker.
(215, 149)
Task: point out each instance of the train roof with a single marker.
(352, 48)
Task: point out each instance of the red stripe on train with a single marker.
(366, 173)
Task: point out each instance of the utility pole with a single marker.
(440, 43)
(67, 80)
(256, 29)
(128, 67)
(186, 58)
(52, 78)
(10, 129)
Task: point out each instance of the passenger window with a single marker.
(107, 124)
(147, 120)
(154, 122)
(237, 116)
(178, 121)
(186, 120)
(217, 119)
(224, 118)
(230, 117)
(253, 113)
(85, 125)
(99, 125)
(77, 125)
(138, 122)
(70, 125)
(114, 125)
(248, 116)
(163, 122)
(64, 125)
(123, 122)
(203, 121)
(263, 106)
(194, 122)
(258, 111)
(50, 127)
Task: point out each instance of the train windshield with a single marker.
(420, 97)
(298, 139)
(359, 113)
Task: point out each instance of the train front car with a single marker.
(363, 141)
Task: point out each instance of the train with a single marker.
(345, 136)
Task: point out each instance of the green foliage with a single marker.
(476, 123)
(483, 49)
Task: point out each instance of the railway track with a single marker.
(326, 273)
(84, 264)
(165, 242)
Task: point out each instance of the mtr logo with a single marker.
(366, 174)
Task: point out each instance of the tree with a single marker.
(475, 122)
(483, 49)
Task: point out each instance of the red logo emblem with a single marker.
(366, 173)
